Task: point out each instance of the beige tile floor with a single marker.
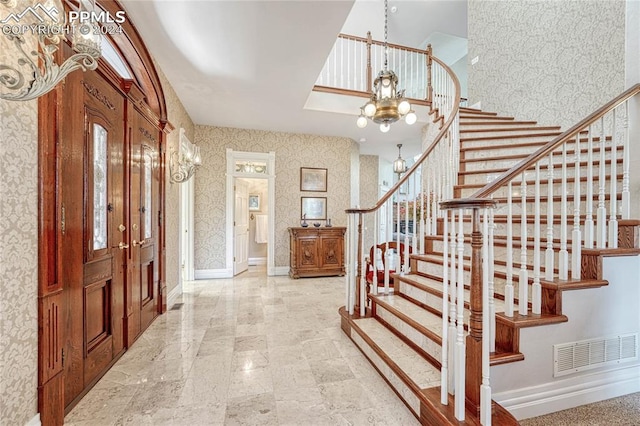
(253, 350)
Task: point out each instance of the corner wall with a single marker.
(178, 117)
(551, 61)
(292, 151)
(18, 257)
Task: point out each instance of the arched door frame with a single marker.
(144, 91)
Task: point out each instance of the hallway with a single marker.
(253, 350)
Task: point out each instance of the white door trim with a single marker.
(270, 159)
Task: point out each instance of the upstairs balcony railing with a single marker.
(353, 61)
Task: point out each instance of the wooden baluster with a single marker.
(422, 213)
(491, 268)
(351, 262)
(361, 279)
(369, 71)
(626, 194)
(588, 222)
(536, 294)
(387, 260)
(563, 254)
(374, 255)
(453, 302)
(523, 277)
(601, 213)
(429, 74)
(415, 214)
(428, 211)
(613, 197)
(485, 388)
(405, 266)
(576, 234)
(444, 369)
(460, 334)
(508, 289)
(549, 255)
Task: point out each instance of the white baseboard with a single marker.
(173, 295)
(565, 394)
(257, 261)
(35, 421)
(280, 270)
(206, 274)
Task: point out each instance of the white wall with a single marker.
(528, 388)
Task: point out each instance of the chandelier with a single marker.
(399, 165)
(386, 105)
(39, 30)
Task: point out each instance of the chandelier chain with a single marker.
(386, 46)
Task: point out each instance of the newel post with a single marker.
(474, 338)
(429, 64)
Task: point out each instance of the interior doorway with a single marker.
(252, 172)
(253, 246)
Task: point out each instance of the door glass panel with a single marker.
(148, 167)
(99, 187)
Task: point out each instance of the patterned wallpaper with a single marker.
(368, 192)
(178, 117)
(18, 257)
(551, 61)
(292, 152)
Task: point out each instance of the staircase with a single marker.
(401, 332)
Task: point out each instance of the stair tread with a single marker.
(423, 317)
(419, 370)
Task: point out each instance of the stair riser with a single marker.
(511, 132)
(396, 382)
(491, 164)
(431, 300)
(557, 188)
(489, 151)
(500, 251)
(483, 178)
(506, 142)
(415, 336)
(502, 124)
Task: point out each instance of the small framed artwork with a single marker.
(312, 179)
(254, 203)
(313, 208)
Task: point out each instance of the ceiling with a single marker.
(253, 64)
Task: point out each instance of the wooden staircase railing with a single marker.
(596, 204)
(413, 199)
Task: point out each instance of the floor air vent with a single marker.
(177, 306)
(587, 354)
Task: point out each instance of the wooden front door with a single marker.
(144, 211)
(94, 231)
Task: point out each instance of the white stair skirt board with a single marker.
(173, 295)
(253, 261)
(207, 274)
(562, 395)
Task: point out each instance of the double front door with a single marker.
(109, 205)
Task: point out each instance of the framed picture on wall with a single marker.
(254, 203)
(312, 179)
(313, 208)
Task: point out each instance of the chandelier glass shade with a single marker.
(387, 104)
(35, 72)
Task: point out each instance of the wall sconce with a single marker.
(35, 73)
(184, 162)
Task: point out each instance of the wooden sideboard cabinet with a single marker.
(316, 252)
